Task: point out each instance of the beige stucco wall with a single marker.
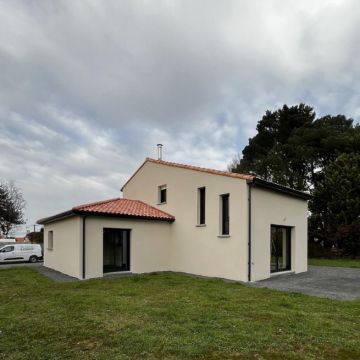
(182, 245)
(270, 208)
(66, 254)
(193, 249)
(149, 244)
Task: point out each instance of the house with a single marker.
(182, 218)
(20, 240)
(35, 237)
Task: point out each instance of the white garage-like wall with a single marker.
(272, 208)
(65, 256)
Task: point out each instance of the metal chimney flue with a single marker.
(159, 149)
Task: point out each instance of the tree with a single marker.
(292, 148)
(295, 149)
(269, 154)
(3, 199)
(335, 206)
(12, 207)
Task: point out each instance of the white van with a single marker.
(20, 252)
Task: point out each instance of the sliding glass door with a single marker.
(280, 243)
(116, 250)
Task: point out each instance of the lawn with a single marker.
(168, 316)
(335, 262)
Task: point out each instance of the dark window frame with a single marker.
(277, 254)
(50, 236)
(162, 194)
(202, 205)
(127, 232)
(225, 214)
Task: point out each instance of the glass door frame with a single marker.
(128, 247)
(288, 249)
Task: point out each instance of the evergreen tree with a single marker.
(335, 205)
(295, 149)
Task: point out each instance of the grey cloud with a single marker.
(88, 88)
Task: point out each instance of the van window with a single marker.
(50, 240)
(8, 249)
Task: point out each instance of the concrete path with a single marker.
(55, 275)
(323, 281)
(52, 274)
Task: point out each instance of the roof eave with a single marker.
(278, 188)
(127, 216)
(60, 216)
(74, 212)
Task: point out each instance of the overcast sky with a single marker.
(88, 88)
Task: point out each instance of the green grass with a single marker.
(168, 316)
(335, 262)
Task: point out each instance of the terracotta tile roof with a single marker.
(117, 207)
(126, 207)
(194, 168)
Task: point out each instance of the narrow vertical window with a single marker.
(162, 194)
(50, 240)
(201, 204)
(224, 203)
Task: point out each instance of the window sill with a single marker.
(200, 225)
(49, 249)
(164, 203)
(223, 236)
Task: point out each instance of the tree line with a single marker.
(293, 147)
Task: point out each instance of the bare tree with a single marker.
(12, 205)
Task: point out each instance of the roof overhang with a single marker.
(60, 216)
(256, 182)
(72, 213)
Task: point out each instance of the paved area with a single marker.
(52, 274)
(55, 275)
(17, 264)
(323, 281)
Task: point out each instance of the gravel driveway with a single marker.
(323, 281)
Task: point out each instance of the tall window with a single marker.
(162, 194)
(50, 240)
(201, 206)
(280, 243)
(224, 210)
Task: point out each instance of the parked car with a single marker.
(20, 252)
